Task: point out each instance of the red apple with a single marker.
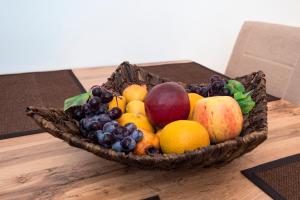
(167, 102)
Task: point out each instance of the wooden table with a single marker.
(43, 167)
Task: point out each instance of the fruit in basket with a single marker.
(183, 135)
(193, 97)
(106, 96)
(97, 91)
(95, 103)
(115, 113)
(135, 92)
(167, 102)
(128, 144)
(221, 116)
(136, 107)
(118, 101)
(216, 87)
(139, 120)
(148, 144)
(78, 113)
(119, 138)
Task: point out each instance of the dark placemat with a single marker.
(280, 179)
(38, 89)
(188, 73)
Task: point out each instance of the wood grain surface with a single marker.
(43, 167)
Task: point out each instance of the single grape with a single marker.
(117, 146)
(152, 151)
(82, 130)
(95, 103)
(128, 144)
(100, 136)
(130, 127)
(214, 78)
(95, 125)
(204, 92)
(103, 109)
(86, 123)
(217, 85)
(97, 91)
(115, 113)
(110, 126)
(120, 132)
(106, 97)
(137, 135)
(87, 109)
(193, 88)
(104, 118)
(92, 136)
(78, 114)
(188, 90)
(198, 90)
(105, 139)
(226, 92)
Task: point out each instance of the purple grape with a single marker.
(115, 113)
(152, 151)
(226, 92)
(78, 114)
(87, 109)
(102, 109)
(106, 139)
(117, 146)
(130, 127)
(128, 144)
(82, 130)
(217, 85)
(95, 125)
(104, 118)
(97, 91)
(92, 136)
(106, 97)
(95, 103)
(120, 132)
(188, 90)
(137, 135)
(110, 126)
(214, 78)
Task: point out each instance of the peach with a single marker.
(221, 116)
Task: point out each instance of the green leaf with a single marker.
(246, 106)
(234, 86)
(76, 100)
(239, 95)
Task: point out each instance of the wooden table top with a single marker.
(43, 167)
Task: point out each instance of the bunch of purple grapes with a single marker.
(119, 138)
(97, 123)
(214, 88)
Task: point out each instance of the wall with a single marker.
(37, 35)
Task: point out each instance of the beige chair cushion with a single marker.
(274, 49)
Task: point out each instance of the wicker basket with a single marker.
(254, 132)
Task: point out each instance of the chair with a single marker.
(274, 49)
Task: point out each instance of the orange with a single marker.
(136, 106)
(150, 140)
(135, 92)
(118, 101)
(139, 120)
(183, 135)
(193, 97)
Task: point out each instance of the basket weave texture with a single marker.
(254, 132)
